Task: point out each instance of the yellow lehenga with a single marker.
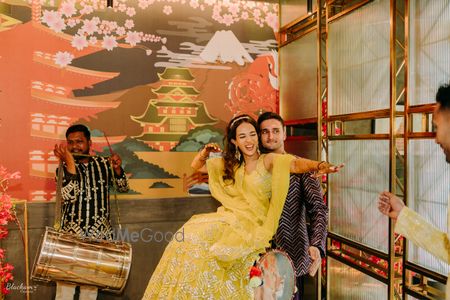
(218, 250)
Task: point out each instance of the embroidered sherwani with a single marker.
(304, 199)
(85, 195)
(416, 229)
(215, 256)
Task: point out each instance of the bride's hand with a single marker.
(211, 147)
(326, 168)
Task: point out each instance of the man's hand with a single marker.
(314, 253)
(65, 156)
(390, 205)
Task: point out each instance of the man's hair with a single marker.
(79, 128)
(443, 96)
(268, 115)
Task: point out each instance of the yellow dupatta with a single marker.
(245, 236)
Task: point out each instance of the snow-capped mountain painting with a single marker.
(225, 48)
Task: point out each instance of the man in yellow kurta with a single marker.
(409, 223)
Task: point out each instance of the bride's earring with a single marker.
(238, 154)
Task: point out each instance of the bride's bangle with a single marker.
(203, 157)
(320, 164)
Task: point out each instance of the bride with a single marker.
(214, 259)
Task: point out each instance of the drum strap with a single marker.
(57, 224)
(114, 184)
(116, 201)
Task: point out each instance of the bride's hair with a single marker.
(232, 156)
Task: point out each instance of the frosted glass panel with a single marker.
(429, 189)
(293, 9)
(298, 79)
(354, 191)
(347, 283)
(429, 49)
(358, 46)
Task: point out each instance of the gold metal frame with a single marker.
(422, 290)
(322, 94)
(398, 91)
(349, 252)
(341, 8)
(298, 28)
(425, 112)
(358, 256)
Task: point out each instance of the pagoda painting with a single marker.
(42, 101)
(174, 113)
(153, 90)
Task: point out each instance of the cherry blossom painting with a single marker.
(155, 79)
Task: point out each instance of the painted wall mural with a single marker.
(155, 79)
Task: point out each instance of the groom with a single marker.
(304, 201)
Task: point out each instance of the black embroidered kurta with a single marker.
(85, 195)
(304, 198)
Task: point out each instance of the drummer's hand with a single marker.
(62, 153)
(116, 163)
(65, 156)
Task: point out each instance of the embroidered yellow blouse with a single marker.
(255, 201)
(218, 250)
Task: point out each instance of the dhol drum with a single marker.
(66, 257)
(278, 276)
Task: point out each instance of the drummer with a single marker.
(85, 195)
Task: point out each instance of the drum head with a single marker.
(277, 275)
